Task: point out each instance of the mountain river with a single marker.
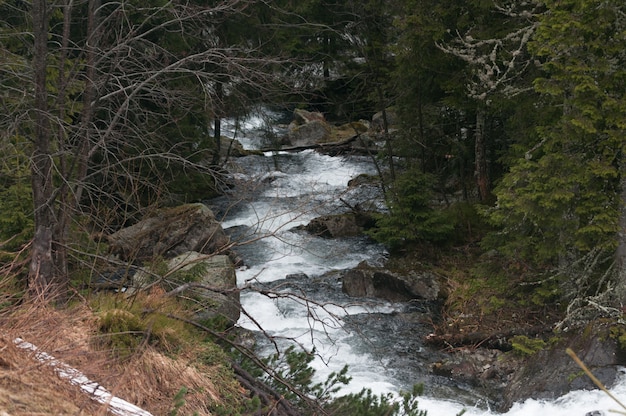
(277, 191)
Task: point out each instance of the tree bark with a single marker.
(41, 276)
(217, 122)
(620, 252)
(480, 155)
(388, 147)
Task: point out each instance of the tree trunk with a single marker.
(620, 252)
(388, 147)
(41, 277)
(89, 97)
(480, 155)
(217, 122)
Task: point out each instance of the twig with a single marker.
(593, 378)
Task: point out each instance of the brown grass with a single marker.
(148, 378)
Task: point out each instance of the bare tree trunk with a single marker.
(388, 147)
(620, 252)
(480, 155)
(58, 245)
(89, 96)
(41, 276)
(217, 122)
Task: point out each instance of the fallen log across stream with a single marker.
(500, 340)
(328, 145)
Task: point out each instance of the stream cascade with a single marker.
(381, 342)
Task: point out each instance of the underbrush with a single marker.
(146, 350)
(486, 295)
(129, 347)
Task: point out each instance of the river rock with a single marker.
(301, 116)
(340, 225)
(218, 273)
(215, 272)
(378, 120)
(366, 281)
(308, 128)
(551, 373)
(482, 370)
(232, 147)
(170, 232)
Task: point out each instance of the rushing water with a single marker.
(275, 193)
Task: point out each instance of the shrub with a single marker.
(411, 217)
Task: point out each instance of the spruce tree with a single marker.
(562, 203)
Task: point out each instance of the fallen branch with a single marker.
(267, 395)
(116, 405)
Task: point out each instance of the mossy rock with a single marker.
(549, 372)
(169, 233)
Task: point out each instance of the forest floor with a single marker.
(481, 305)
(148, 378)
(30, 387)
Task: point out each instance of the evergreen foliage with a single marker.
(411, 217)
(16, 223)
(562, 200)
(525, 346)
(294, 367)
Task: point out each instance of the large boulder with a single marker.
(340, 225)
(301, 116)
(505, 378)
(308, 128)
(231, 147)
(378, 121)
(209, 280)
(170, 232)
(220, 296)
(366, 281)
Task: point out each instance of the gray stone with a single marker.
(551, 373)
(378, 121)
(303, 116)
(231, 147)
(308, 134)
(218, 295)
(344, 225)
(219, 274)
(308, 128)
(340, 225)
(170, 232)
(365, 281)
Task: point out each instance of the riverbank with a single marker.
(504, 344)
(69, 356)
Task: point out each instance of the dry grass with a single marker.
(147, 378)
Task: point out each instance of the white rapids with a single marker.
(306, 185)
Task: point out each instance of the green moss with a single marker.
(524, 346)
(618, 333)
(123, 331)
(574, 376)
(190, 274)
(496, 303)
(126, 323)
(554, 340)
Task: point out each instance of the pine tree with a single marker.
(561, 204)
